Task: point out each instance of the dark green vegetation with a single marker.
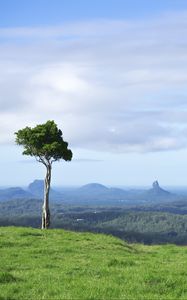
(149, 224)
(148, 227)
(45, 142)
(58, 264)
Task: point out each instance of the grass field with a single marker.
(57, 264)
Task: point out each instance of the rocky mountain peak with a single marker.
(156, 185)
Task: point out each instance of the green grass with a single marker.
(58, 264)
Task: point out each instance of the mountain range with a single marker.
(90, 194)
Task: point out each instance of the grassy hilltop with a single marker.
(58, 264)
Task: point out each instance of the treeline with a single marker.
(144, 227)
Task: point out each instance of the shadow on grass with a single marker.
(7, 298)
(6, 277)
(31, 234)
(121, 263)
(5, 244)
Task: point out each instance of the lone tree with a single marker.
(46, 144)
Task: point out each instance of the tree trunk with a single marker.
(45, 209)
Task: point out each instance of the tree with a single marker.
(46, 144)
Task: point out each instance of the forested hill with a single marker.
(149, 224)
(58, 264)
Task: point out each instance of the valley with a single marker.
(152, 216)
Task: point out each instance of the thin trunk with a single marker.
(45, 210)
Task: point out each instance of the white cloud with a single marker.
(110, 85)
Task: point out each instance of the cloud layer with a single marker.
(111, 85)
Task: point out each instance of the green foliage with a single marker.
(58, 264)
(151, 222)
(148, 227)
(45, 142)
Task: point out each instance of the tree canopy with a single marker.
(44, 142)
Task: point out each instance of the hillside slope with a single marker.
(58, 264)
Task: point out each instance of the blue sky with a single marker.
(112, 74)
(47, 12)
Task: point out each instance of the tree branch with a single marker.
(53, 160)
(41, 160)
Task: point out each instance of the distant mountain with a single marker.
(156, 193)
(91, 194)
(96, 193)
(35, 191)
(93, 188)
(36, 188)
(100, 188)
(14, 193)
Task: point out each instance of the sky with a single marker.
(113, 76)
